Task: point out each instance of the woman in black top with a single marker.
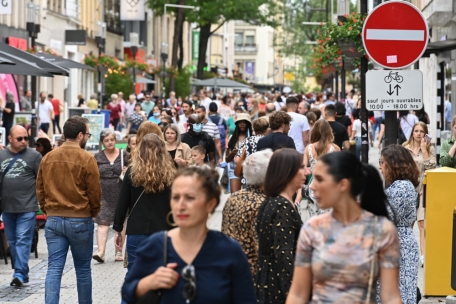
(278, 225)
(145, 194)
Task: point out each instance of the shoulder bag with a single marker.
(121, 176)
(374, 254)
(154, 296)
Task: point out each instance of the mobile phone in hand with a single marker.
(427, 138)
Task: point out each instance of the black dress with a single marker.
(278, 226)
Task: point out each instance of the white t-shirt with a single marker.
(45, 111)
(357, 127)
(130, 108)
(298, 125)
(279, 105)
(407, 124)
(206, 102)
(349, 106)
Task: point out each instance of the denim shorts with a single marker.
(231, 167)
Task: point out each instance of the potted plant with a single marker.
(339, 41)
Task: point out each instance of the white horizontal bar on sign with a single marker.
(404, 35)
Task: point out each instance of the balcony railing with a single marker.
(246, 48)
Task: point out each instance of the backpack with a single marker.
(222, 131)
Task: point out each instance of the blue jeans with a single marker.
(358, 146)
(19, 230)
(133, 242)
(61, 234)
(378, 122)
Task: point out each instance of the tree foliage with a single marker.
(217, 12)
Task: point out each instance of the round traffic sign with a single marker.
(395, 34)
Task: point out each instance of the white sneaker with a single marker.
(422, 260)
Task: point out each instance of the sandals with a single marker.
(98, 257)
(119, 257)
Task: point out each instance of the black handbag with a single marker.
(154, 296)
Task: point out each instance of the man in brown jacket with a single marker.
(71, 200)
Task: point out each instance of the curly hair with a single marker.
(277, 119)
(148, 127)
(399, 165)
(152, 166)
(323, 135)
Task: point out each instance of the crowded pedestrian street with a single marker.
(108, 277)
(227, 152)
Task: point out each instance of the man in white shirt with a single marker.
(172, 95)
(130, 107)
(205, 101)
(46, 112)
(349, 104)
(299, 126)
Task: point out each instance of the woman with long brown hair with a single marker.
(145, 194)
(278, 225)
(321, 143)
(148, 127)
(402, 177)
(423, 153)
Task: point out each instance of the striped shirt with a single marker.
(211, 128)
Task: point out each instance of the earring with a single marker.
(209, 216)
(168, 221)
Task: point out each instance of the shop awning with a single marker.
(42, 64)
(140, 79)
(220, 83)
(62, 62)
(440, 47)
(3, 60)
(21, 66)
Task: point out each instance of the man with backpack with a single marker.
(210, 128)
(220, 122)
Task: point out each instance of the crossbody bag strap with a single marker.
(10, 165)
(135, 204)
(165, 248)
(374, 254)
(121, 159)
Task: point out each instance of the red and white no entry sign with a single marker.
(395, 34)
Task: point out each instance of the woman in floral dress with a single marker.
(402, 177)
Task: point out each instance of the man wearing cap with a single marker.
(210, 128)
(197, 137)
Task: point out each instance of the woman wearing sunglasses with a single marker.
(203, 266)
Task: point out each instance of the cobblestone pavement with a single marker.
(107, 278)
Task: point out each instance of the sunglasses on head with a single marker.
(188, 274)
(21, 138)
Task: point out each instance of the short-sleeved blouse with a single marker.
(340, 256)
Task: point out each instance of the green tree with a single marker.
(217, 12)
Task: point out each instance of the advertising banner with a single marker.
(132, 10)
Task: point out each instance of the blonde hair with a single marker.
(148, 127)
(152, 166)
(255, 109)
(411, 141)
(322, 136)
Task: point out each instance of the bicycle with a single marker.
(394, 76)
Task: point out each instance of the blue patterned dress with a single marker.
(401, 196)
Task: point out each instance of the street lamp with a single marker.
(33, 29)
(134, 43)
(100, 40)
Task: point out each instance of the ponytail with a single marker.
(365, 181)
